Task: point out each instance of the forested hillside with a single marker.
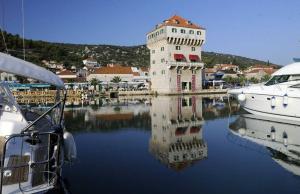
(73, 54)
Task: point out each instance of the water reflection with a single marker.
(176, 135)
(108, 115)
(281, 138)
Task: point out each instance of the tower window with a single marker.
(198, 32)
(162, 31)
(177, 48)
(174, 30)
(193, 48)
(182, 31)
(153, 51)
(191, 31)
(162, 48)
(162, 60)
(153, 62)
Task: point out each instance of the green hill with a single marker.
(73, 54)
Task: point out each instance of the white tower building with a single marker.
(175, 56)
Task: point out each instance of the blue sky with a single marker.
(261, 29)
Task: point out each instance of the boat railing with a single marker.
(37, 161)
(33, 156)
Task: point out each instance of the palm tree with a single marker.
(94, 82)
(116, 79)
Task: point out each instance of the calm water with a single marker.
(179, 145)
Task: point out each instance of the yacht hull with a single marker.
(275, 106)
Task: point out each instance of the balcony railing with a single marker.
(190, 65)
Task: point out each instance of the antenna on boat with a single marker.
(23, 29)
(2, 27)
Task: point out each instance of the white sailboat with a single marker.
(33, 145)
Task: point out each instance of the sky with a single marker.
(259, 29)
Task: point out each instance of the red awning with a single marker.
(180, 131)
(194, 58)
(194, 129)
(179, 56)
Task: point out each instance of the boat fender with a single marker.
(242, 131)
(70, 150)
(241, 97)
(285, 100)
(285, 139)
(273, 102)
(273, 133)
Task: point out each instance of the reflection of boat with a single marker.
(280, 96)
(33, 145)
(176, 138)
(280, 137)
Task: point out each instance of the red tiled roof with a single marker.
(179, 22)
(227, 65)
(209, 70)
(267, 71)
(145, 69)
(66, 72)
(116, 69)
(136, 73)
(91, 59)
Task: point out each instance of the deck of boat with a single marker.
(17, 168)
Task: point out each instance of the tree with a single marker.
(242, 80)
(254, 80)
(229, 79)
(116, 79)
(94, 82)
(265, 78)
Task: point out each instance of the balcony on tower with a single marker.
(180, 62)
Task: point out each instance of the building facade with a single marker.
(175, 56)
(108, 73)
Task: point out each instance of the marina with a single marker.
(149, 97)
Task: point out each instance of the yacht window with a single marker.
(295, 86)
(277, 80)
(294, 77)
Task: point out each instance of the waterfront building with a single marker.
(175, 56)
(140, 74)
(260, 67)
(259, 73)
(210, 74)
(108, 73)
(227, 67)
(53, 66)
(90, 62)
(67, 75)
(126, 74)
(4, 76)
(176, 135)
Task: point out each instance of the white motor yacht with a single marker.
(280, 137)
(33, 145)
(278, 97)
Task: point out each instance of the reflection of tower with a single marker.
(176, 138)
